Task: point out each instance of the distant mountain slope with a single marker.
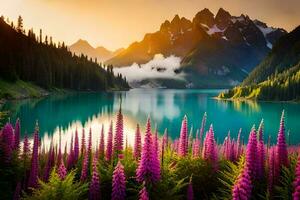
(277, 77)
(286, 53)
(101, 53)
(48, 65)
(216, 50)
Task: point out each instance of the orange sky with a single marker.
(117, 23)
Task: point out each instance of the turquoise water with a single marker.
(165, 107)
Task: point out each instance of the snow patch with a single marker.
(214, 29)
(158, 67)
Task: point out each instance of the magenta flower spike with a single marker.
(190, 191)
(70, 160)
(62, 171)
(83, 142)
(203, 123)
(251, 154)
(137, 143)
(182, 151)
(261, 151)
(238, 145)
(101, 144)
(149, 167)
(33, 177)
(118, 183)
(272, 169)
(210, 152)
(26, 146)
(94, 187)
(143, 194)
(242, 187)
(7, 138)
(17, 135)
(109, 144)
(118, 139)
(84, 169)
(282, 154)
(190, 139)
(76, 147)
(296, 194)
(89, 150)
(196, 145)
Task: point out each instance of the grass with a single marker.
(20, 90)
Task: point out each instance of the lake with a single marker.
(165, 107)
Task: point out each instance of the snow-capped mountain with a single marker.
(216, 50)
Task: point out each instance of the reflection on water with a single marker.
(165, 107)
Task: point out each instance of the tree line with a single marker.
(34, 58)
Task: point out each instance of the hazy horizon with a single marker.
(116, 24)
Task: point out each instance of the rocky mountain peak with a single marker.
(205, 16)
(223, 18)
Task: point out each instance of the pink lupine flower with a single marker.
(272, 170)
(182, 151)
(251, 154)
(242, 187)
(76, 147)
(84, 169)
(137, 143)
(261, 151)
(118, 183)
(109, 142)
(282, 154)
(190, 139)
(196, 145)
(238, 145)
(203, 123)
(296, 194)
(101, 144)
(143, 194)
(149, 167)
(118, 139)
(7, 142)
(82, 142)
(89, 150)
(33, 177)
(62, 171)
(17, 135)
(94, 188)
(70, 160)
(26, 147)
(209, 148)
(190, 191)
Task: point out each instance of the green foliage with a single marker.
(66, 189)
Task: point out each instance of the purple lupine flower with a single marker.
(109, 142)
(26, 147)
(76, 147)
(251, 154)
(149, 167)
(82, 149)
(50, 163)
(17, 191)
(137, 143)
(94, 188)
(118, 139)
(101, 144)
(261, 151)
(33, 177)
(182, 151)
(203, 123)
(62, 171)
(272, 169)
(209, 148)
(17, 135)
(282, 154)
(118, 183)
(70, 160)
(242, 187)
(190, 191)
(143, 194)
(7, 141)
(84, 169)
(296, 194)
(89, 150)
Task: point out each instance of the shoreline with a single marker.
(255, 100)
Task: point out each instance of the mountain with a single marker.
(216, 50)
(26, 59)
(101, 53)
(277, 77)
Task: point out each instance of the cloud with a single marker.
(158, 67)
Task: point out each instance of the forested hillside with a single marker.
(37, 59)
(277, 77)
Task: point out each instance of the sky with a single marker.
(118, 23)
